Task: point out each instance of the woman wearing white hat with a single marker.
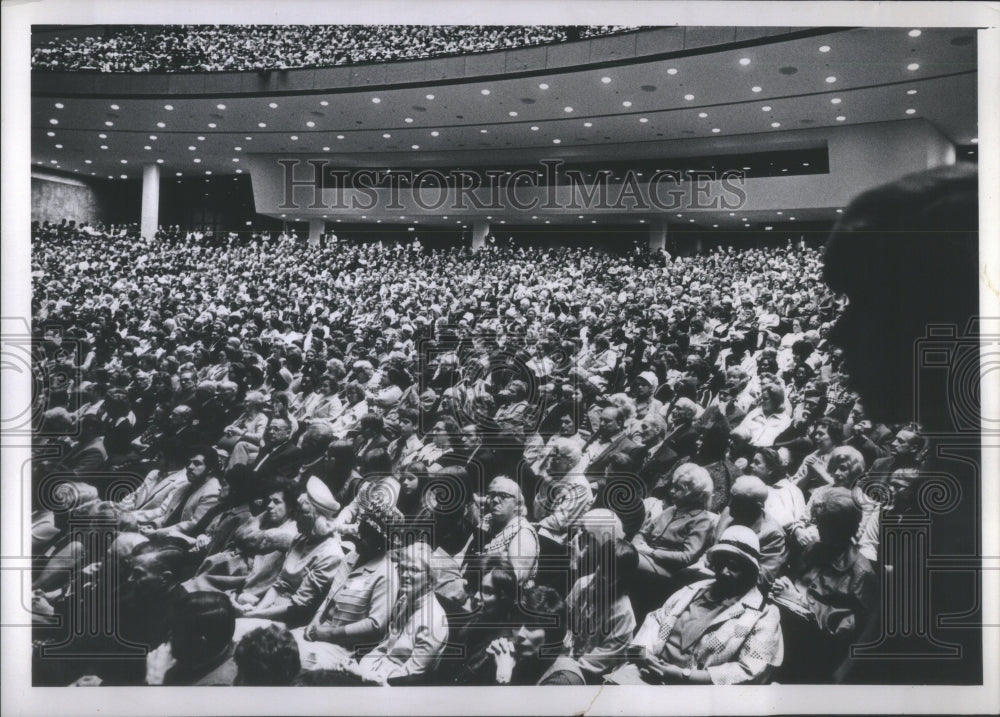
(719, 631)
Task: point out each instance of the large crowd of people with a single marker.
(221, 48)
(384, 464)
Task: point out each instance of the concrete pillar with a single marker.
(316, 228)
(480, 228)
(658, 236)
(150, 221)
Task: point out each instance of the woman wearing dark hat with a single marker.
(719, 631)
(355, 614)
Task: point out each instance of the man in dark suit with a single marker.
(660, 458)
(609, 440)
(905, 450)
(279, 457)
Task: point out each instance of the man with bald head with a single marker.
(746, 507)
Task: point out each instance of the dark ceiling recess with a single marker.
(788, 163)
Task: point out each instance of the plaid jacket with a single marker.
(739, 646)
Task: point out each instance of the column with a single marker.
(150, 221)
(658, 235)
(316, 228)
(480, 228)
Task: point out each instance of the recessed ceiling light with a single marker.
(835, 101)
(123, 176)
(102, 136)
(326, 149)
(841, 118)
(414, 146)
(703, 115)
(691, 220)
(744, 61)
(262, 125)
(914, 33)
(201, 138)
(911, 92)
(386, 135)
(556, 141)
(87, 161)
(197, 161)
(59, 146)
(435, 133)
(512, 113)
(51, 134)
(109, 123)
(124, 161)
(716, 130)
(671, 70)
(911, 111)
(212, 125)
(430, 97)
(145, 147)
(606, 80)
(780, 213)
(840, 211)
(791, 219)
(776, 124)
(567, 109)
(543, 86)
(913, 66)
(248, 138)
(626, 103)
(340, 136)
(192, 148)
(689, 97)
(239, 171)
(294, 138)
(831, 79)
(159, 161)
(180, 174)
(161, 125)
(115, 107)
(484, 92)
(588, 124)
(310, 124)
(824, 48)
(59, 105)
(974, 140)
(104, 146)
(376, 100)
(483, 131)
(766, 108)
(643, 120)
(534, 128)
(756, 88)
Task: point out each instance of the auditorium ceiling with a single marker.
(754, 98)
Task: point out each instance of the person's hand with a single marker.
(502, 651)
(201, 542)
(785, 588)
(319, 633)
(157, 663)
(654, 669)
